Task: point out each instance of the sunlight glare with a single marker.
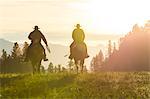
(113, 16)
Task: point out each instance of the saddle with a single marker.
(79, 50)
(35, 49)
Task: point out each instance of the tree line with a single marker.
(131, 55)
(14, 62)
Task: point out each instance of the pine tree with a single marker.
(3, 62)
(4, 55)
(114, 49)
(97, 61)
(16, 53)
(71, 65)
(93, 64)
(59, 68)
(24, 50)
(136, 29)
(109, 48)
(100, 57)
(147, 27)
(50, 67)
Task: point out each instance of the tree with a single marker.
(3, 61)
(133, 52)
(4, 55)
(97, 61)
(24, 49)
(13, 63)
(59, 67)
(100, 57)
(55, 69)
(16, 53)
(92, 63)
(109, 48)
(50, 67)
(42, 69)
(71, 65)
(136, 29)
(147, 27)
(63, 69)
(114, 49)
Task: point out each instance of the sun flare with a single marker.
(112, 16)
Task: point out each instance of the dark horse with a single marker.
(35, 56)
(79, 55)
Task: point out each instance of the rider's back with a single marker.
(36, 37)
(78, 35)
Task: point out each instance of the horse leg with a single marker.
(81, 64)
(34, 69)
(38, 67)
(76, 63)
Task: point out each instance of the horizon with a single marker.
(91, 39)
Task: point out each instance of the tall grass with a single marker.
(103, 85)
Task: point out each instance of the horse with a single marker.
(79, 54)
(35, 55)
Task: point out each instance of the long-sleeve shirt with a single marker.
(36, 37)
(78, 35)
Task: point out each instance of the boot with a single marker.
(87, 56)
(45, 59)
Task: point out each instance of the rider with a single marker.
(35, 37)
(78, 36)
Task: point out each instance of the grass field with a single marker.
(103, 85)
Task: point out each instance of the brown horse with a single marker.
(79, 54)
(35, 56)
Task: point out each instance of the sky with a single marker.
(57, 18)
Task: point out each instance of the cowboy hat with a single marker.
(78, 25)
(36, 27)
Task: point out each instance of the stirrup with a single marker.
(87, 56)
(70, 57)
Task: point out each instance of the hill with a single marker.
(5, 44)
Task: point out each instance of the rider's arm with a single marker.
(83, 34)
(44, 39)
(30, 36)
(73, 34)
